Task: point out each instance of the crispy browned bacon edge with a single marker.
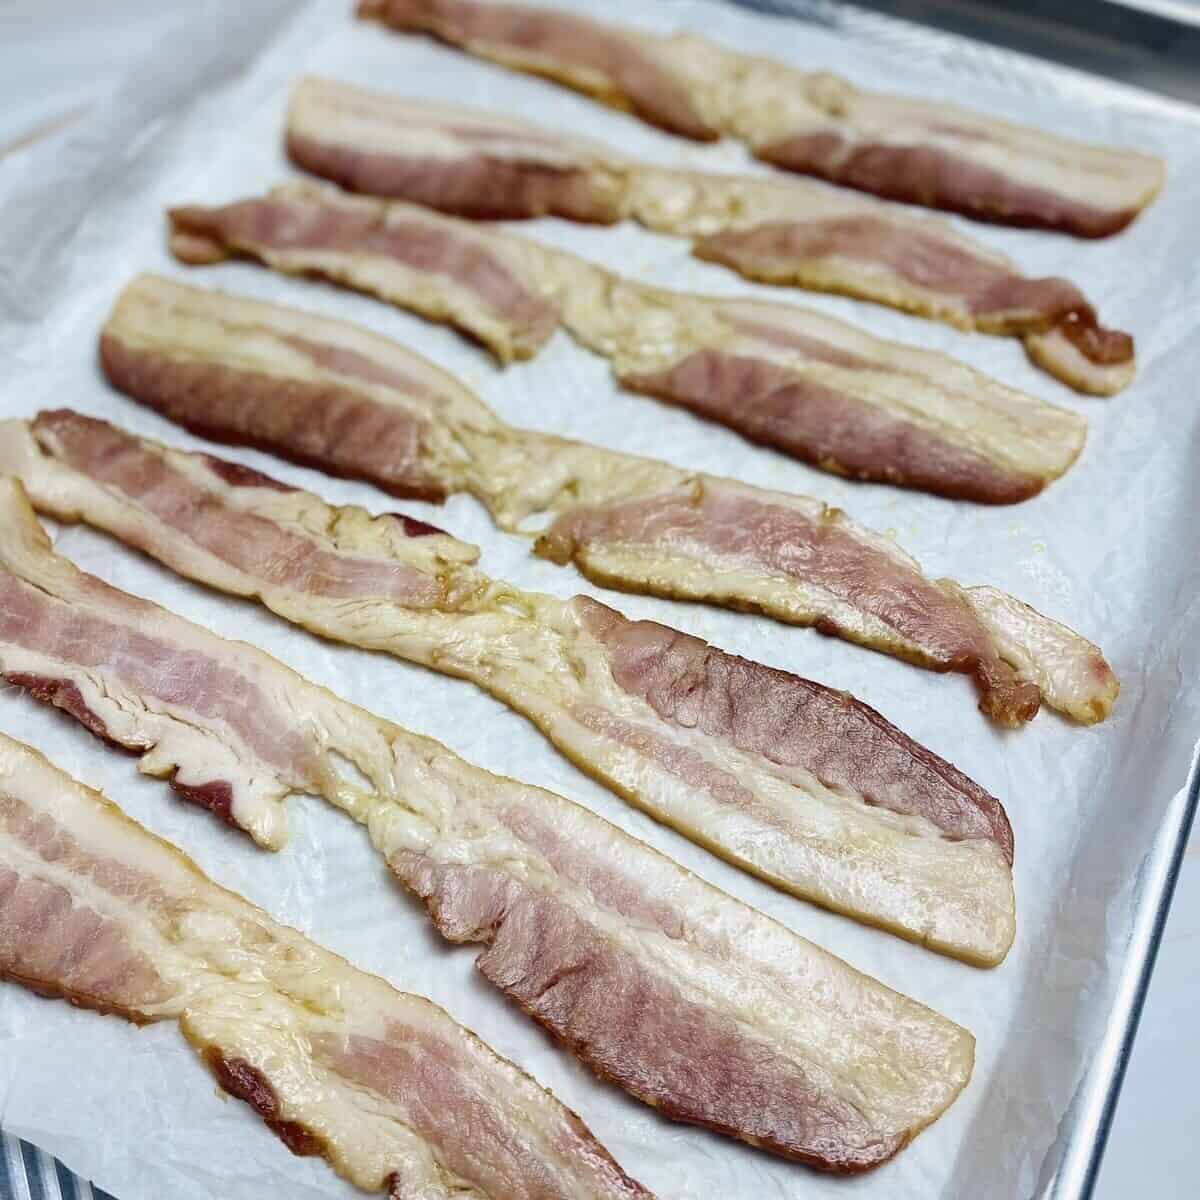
(351, 403)
(792, 378)
(394, 1093)
(922, 152)
(691, 1001)
(471, 163)
(802, 785)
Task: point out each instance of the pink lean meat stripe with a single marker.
(244, 539)
(792, 722)
(826, 427)
(609, 63)
(397, 1096)
(555, 894)
(276, 225)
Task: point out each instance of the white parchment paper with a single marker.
(1113, 550)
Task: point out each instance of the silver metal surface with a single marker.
(953, 52)
(1073, 1164)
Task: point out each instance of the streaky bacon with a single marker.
(459, 160)
(914, 847)
(788, 377)
(733, 1023)
(347, 401)
(477, 286)
(922, 152)
(616, 66)
(394, 1093)
(471, 163)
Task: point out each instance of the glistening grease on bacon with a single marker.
(395, 1094)
(789, 377)
(921, 152)
(864, 835)
(733, 1023)
(471, 163)
(347, 401)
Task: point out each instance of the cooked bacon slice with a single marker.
(788, 377)
(441, 268)
(918, 151)
(352, 403)
(459, 160)
(733, 1022)
(467, 162)
(617, 66)
(750, 762)
(397, 1096)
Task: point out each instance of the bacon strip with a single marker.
(922, 152)
(352, 403)
(440, 268)
(733, 1023)
(616, 66)
(875, 827)
(469, 163)
(394, 1093)
(789, 377)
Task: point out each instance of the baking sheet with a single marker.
(1111, 549)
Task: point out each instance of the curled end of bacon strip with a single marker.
(1084, 355)
(1069, 671)
(928, 268)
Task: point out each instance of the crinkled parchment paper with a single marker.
(1113, 550)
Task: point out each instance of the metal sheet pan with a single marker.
(78, 222)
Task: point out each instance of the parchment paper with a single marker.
(1111, 550)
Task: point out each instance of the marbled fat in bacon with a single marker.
(347, 401)
(888, 863)
(320, 231)
(386, 1086)
(922, 152)
(928, 268)
(614, 65)
(459, 161)
(799, 561)
(247, 539)
(239, 753)
(789, 377)
(742, 1027)
(819, 389)
(792, 722)
(471, 163)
